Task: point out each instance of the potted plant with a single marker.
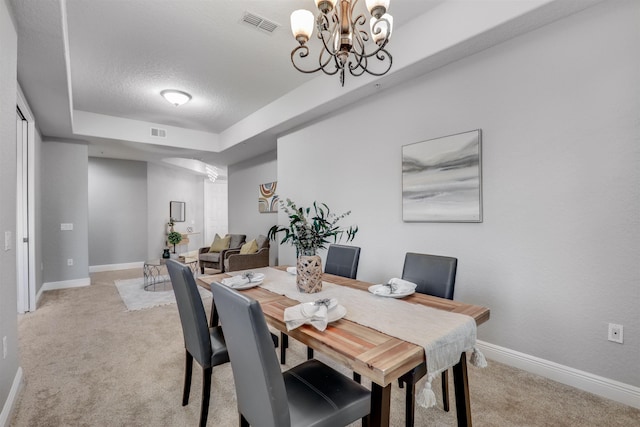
(174, 238)
(310, 229)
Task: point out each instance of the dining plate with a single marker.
(251, 284)
(374, 288)
(336, 312)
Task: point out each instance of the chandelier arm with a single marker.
(358, 51)
(322, 66)
(326, 42)
(303, 53)
(381, 57)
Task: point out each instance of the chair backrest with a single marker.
(237, 240)
(192, 314)
(260, 390)
(262, 242)
(342, 261)
(433, 274)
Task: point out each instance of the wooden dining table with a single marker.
(372, 354)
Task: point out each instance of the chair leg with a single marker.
(243, 421)
(445, 390)
(188, 367)
(274, 338)
(309, 353)
(357, 378)
(284, 343)
(206, 393)
(410, 404)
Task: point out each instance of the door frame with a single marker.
(26, 220)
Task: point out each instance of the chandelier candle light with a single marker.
(344, 39)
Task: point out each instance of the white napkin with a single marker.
(315, 315)
(292, 270)
(400, 287)
(235, 281)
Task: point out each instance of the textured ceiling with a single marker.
(113, 57)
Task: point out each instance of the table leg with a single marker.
(380, 405)
(461, 386)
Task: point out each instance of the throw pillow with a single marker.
(220, 243)
(251, 247)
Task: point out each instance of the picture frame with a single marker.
(442, 179)
(267, 197)
(177, 211)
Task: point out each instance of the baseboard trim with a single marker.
(12, 399)
(76, 283)
(601, 386)
(112, 267)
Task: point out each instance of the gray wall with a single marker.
(244, 179)
(556, 257)
(65, 200)
(165, 184)
(8, 295)
(117, 211)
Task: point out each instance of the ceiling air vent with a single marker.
(158, 133)
(259, 22)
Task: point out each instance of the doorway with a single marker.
(25, 248)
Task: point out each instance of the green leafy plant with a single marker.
(311, 228)
(174, 238)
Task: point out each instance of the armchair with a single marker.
(216, 259)
(234, 260)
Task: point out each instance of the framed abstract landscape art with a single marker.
(442, 179)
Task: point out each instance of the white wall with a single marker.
(9, 369)
(165, 184)
(556, 257)
(216, 210)
(244, 181)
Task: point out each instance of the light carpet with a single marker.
(88, 362)
(136, 298)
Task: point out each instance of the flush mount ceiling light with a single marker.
(176, 97)
(346, 44)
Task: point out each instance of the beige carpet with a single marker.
(89, 362)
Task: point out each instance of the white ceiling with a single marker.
(92, 70)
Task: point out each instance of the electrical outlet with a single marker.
(70, 262)
(615, 333)
(4, 347)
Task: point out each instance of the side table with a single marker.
(155, 272)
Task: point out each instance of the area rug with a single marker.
(136, 298)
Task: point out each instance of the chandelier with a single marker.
(346, 44)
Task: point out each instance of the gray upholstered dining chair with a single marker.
(205, 344)
(434, 275)
(342, 260)
(310, 394)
